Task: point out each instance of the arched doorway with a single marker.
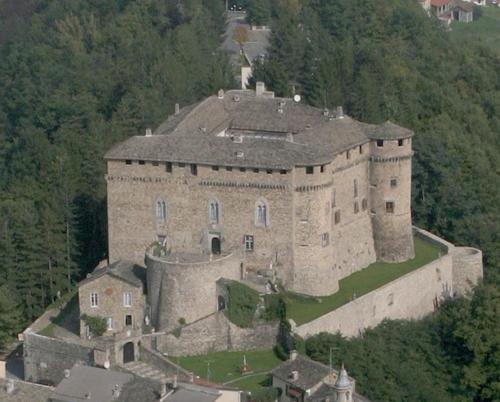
(128, 352)
(215, 245)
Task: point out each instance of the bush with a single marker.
(182, 321)
(266, 395)
(97, 325)
(275, 308)
(242, 304)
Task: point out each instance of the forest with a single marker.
(77, 76)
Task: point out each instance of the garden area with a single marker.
(303, 309)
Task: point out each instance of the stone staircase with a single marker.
(144, 370)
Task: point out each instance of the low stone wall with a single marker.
(45, 359)
(467, 269)
(216, 333)
(411, 296)
(163, 364)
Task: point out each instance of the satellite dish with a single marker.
(296, 98)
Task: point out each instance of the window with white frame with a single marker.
(214, 211)
(325, 239)
(109, 323)
(161, 211)
(249, 242)
(261, 214)
(127, 299)
(94, 299)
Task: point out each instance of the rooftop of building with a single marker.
(21, 391)
(253, 129)
(193, 393)
(127, 271)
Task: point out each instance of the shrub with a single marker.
(275, 308)
(97, 325)
(182, 321)
(266, 395)
(242, 304)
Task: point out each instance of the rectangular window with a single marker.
(256, 170)
(128, 320)
(142, 162)
(215, 168)
(356, 207)
(229, 168)
(348, 155)
(128, 162)
(380, 143)
(282, 171)
(322, 169)
(109, 323)
(243, 170)
(337, 217)
(309, 169)
(94, 299)
(156, 163)
(269, 171)
(249, 243)
(364, 204)
(361, 149)
(389, 207)
(325, 239)
(394, 182)
(334, 198)
(127, 299)
(168, 167)
(355, 185)
(400, 143)
(194, 170)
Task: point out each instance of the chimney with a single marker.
(220, 94)
(340, 113)
(9, 386)
(116, 391)
(260, 88)
(66, 373)
(177, 108)
(149, 132)
(293, 355)
(294, 375)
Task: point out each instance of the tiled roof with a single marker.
(24, 392)
(310, 372)
(127, 271)
(294, 134)
(439, 3)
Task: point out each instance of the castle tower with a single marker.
(343, 387)
(390, 183)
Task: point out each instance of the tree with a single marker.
(258, 12)
(10, 316)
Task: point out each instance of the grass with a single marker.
(303, 309)
(485, 30)
(225, 366)
(63, 315)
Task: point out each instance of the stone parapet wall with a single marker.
(215, 334)
(467, 269)
(163, 364)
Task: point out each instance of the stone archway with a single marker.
(128, 352)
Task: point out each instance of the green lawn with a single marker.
(303, 309)
(225, 366)
(485, 30)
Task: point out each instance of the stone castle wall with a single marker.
(186, 290)
(214, 334)
(467, 269)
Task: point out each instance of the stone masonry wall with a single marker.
(410, 297)
(216, 333)
(467, 269)
(45, 359)
(186, 290)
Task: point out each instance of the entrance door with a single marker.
(215, 245)
(128, 352)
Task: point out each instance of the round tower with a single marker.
(390, 183)
(343, 387)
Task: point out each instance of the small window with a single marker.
(156, 163)
(242, 169)
(364, 204)
(256, 170)
(348, 155)
(229, 168)
(337, 217)
(355, 187)
(361, 149)
(182, 164)
(161, 211)
(325, 239)
(168, 167)
(128, 162)
(214, 212)
(334, 198)
(109, 323)
(194, 170)
(162, 239)
(215, 168)
(249, 242)
(389, 207)
(356, 207)
(142, 162)
(261, 214)
(269, 171)
(394, 183)
(94, 299)
(309, 169)
(128, 320)
(380, 143)
(282, 171)
(400, 143)
(390, 299)
(322, 169)
(127, 299)
(438, 274)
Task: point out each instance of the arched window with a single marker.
(161, 211)
(261, 213)
(214, 211)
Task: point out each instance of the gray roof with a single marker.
(191, 394)
(310, 372)
(127, 271)
(277, 133)
(24, 392)
(93, 384)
